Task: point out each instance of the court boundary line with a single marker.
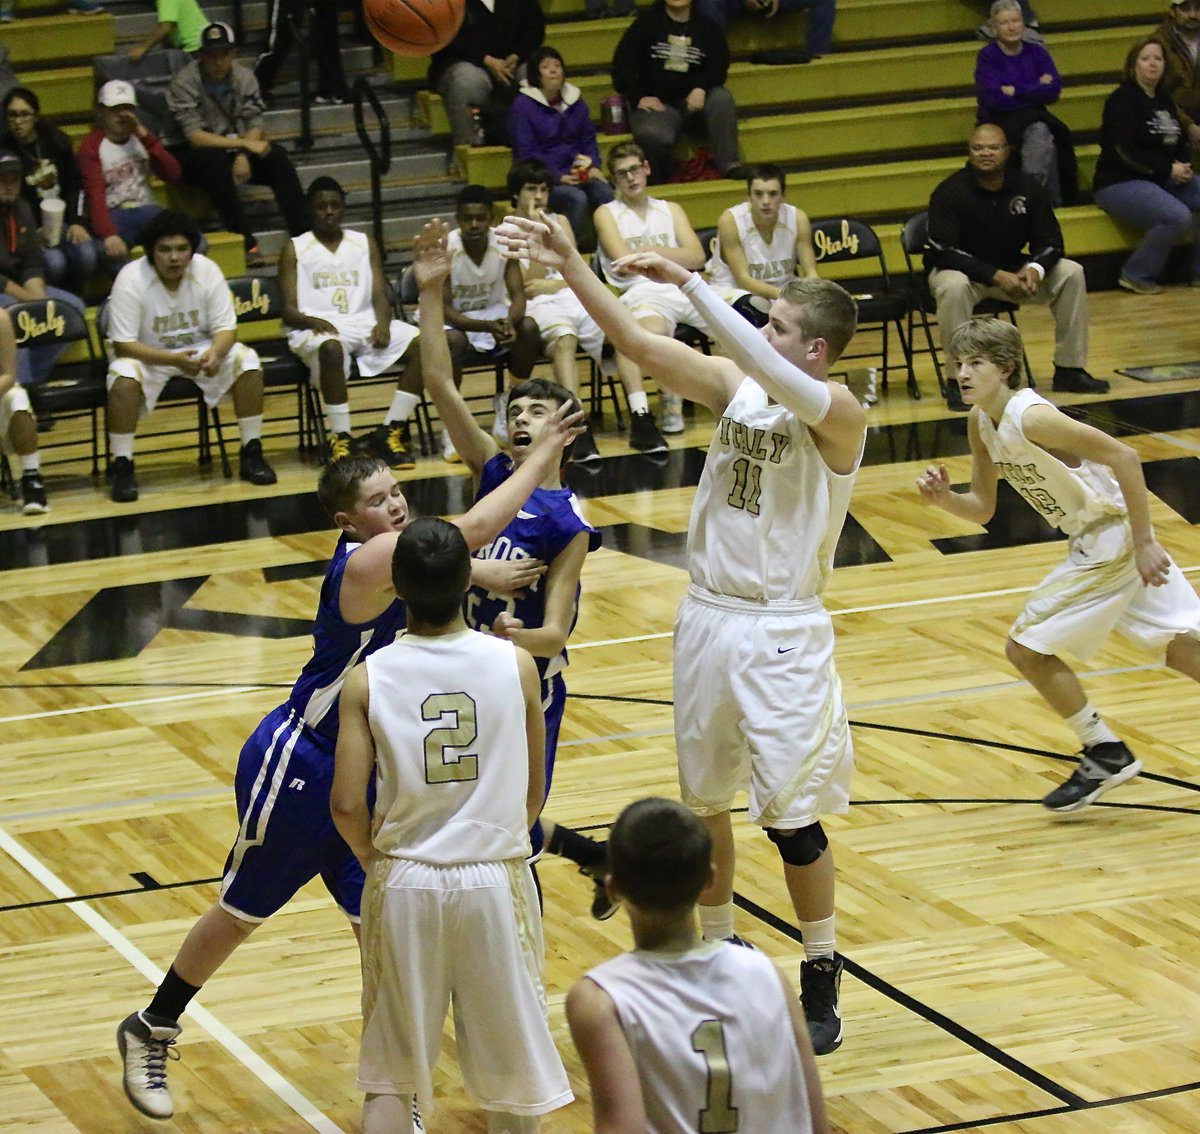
(272, 1079)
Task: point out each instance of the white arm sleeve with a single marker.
(807, 397)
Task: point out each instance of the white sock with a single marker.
(638, 402)
(250, 428)
(388, 1114)
(1090, 728)
(819, 937)
(716, 922)
(403, 404)
(120, 445)
(31, 462)
(337, 418)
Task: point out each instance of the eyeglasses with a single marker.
(986, 148)
(22, 113)
(628, 172)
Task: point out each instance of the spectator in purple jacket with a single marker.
(550, 121)
(1015, 81)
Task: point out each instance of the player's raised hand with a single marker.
(561, 428)
(654, 266)
(432, 264)
(934, 484)
(542, 241)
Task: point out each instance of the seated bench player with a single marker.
(336, 305)
(171, 313)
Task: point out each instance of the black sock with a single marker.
(173, 996)
(578, 848)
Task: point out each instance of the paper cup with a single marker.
(53, 209)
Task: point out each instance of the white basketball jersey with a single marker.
(768, 510)
(653, 229)
(476, 286)
(773, 263)
(712, 1039)
(141, 309)
(452, 770)
(334, 285)
(1068, 498)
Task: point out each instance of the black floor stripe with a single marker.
(156, 887)
(938, 1019)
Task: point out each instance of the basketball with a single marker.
(413, 27)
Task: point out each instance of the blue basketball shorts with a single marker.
(286, 835)
(554, 704)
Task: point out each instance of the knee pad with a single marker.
(801, 846)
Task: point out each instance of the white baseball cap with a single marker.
(117, 92)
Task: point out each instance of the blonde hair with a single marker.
(828, 311)
(997, 340)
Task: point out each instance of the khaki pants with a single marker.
(1063, 289)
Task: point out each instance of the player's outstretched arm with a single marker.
(561, 586)
(498, 508)
(617, 1104)
(701, 379)
(808, 1061)
(977, 504)
(432, 269)
(354, 764)
(535, 735)
(1046, 427)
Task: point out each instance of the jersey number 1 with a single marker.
(719, 1115)
(747, 485)
(441, 765)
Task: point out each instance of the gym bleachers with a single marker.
(867, 131)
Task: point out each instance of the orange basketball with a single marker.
(413, 27)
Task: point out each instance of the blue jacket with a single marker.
(541, 131)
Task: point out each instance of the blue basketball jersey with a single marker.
(338, 647)
(546, 523)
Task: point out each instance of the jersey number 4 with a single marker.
(747, 485)
(719, 1115)
(444, 760)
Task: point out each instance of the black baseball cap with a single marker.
(9, 163)
(217, 35)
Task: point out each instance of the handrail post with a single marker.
(379, 156)
(300, 32)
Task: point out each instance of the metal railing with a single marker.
(380, 156)
(300, 24)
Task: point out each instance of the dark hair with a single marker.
(533, 65)
(829, 311)
(1168, 76)
(26, 94)
(765, 171)
(431, 569)
(529, 171)
(473, 195)
(168, 223)
(341, 482)
(324, 185)
(545, 390)
(659, 855)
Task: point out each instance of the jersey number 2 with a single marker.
(747, 485)
(443, 766)
(719, 1115)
